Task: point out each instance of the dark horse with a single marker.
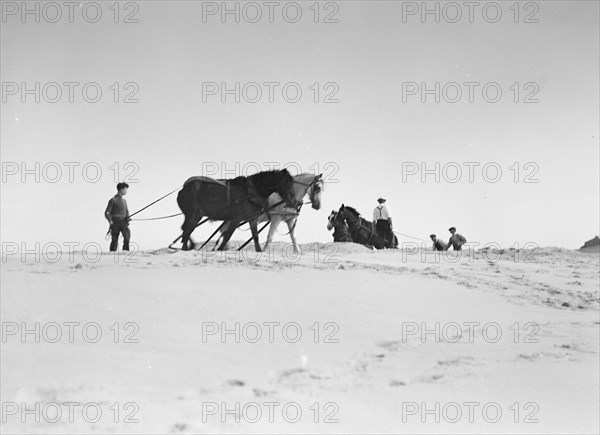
(362, 231)
(236, 200)
(341, 231)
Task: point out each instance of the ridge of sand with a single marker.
(366, 366)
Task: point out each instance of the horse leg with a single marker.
(253, 225)
(373, 240)
(369, 242)
(189, 225)
(217, 242)
(185, 235)
(232, 225)
(275, 221)
(347, 237)
(292, 228)
(222, 230)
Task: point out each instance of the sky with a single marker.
(366, 117)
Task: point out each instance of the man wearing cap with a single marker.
(438, 244)
(117, 215)
(382, 223)
(456, 240)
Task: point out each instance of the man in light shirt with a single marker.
(382, 222)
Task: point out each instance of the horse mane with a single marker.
(352, 209)
(263, 177)
(305, 175)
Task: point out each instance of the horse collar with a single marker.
(253, 195)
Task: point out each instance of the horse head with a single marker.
(337, 219)
(331, 220)
(342, 212)
(349, 213)
(314, 191)
(342, 230)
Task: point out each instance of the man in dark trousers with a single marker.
(382, 221)
(438, 245)
(117, 215)
(456, 240)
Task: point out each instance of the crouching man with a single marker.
(438, 244)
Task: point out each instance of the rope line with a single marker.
(411, 237)
(154, 202)
(157, 218)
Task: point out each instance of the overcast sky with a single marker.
(369, 140)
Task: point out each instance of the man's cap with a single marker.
(380, 200)
(432, 235)
(451, 229)
(122, 185)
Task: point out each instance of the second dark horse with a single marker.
(363, 231)
(236, 200)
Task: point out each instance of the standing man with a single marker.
(382, 223)
(117, 215)
(456, 240)
(438, 245)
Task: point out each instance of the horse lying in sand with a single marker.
(362, 230)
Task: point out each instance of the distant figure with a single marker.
(456, 240)
(117, 215)
(438, 245)
(382, 223)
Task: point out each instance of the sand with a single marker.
(341, 339)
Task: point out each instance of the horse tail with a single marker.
(187, 198)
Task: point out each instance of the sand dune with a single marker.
(355, 340)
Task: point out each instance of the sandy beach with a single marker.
(340, 339)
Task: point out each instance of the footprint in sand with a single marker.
(467, 284)
(258, 392)
(575, 348)
(430, 378)
(235, 383)
(290, 372)
(179, 428)
(299, 378)
(461, 360)
(561, 354)
(36, 395)
(391, 345)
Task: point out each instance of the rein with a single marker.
(144, 208)
(359, 224)
(154, 202)
(158, 218)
